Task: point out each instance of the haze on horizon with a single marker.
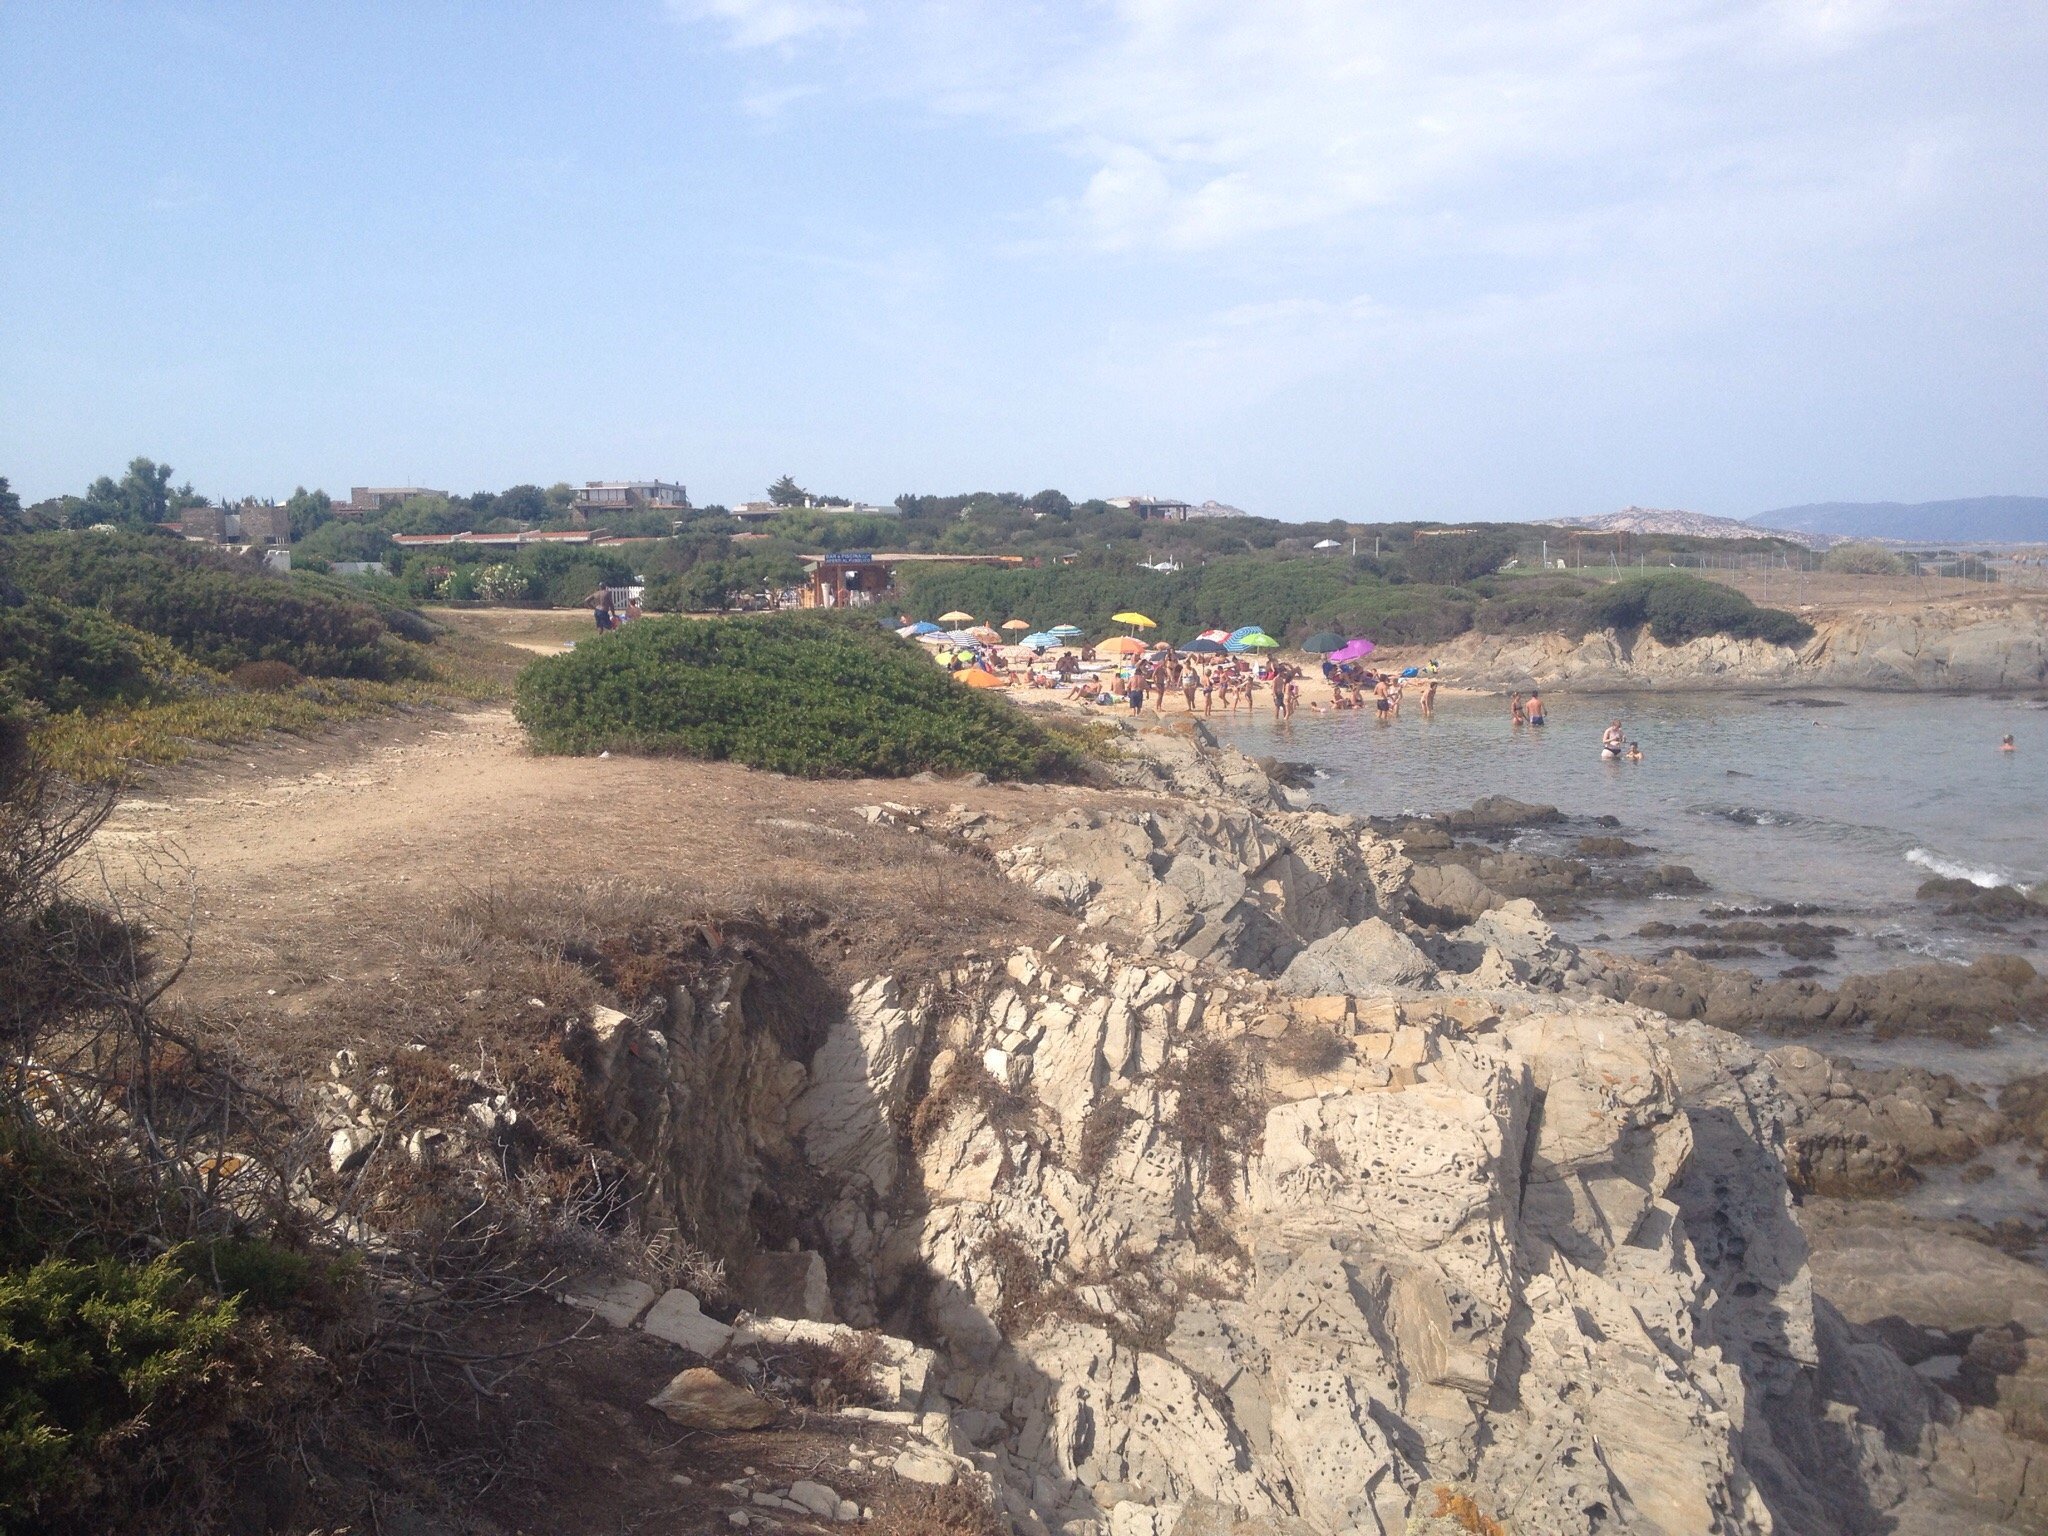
(1313, 259)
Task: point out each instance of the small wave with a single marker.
(1951, 869)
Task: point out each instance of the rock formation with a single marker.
(1251, 1206)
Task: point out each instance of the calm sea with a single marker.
(1849, 807)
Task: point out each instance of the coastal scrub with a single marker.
(800, 694)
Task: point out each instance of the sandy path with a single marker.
(324, 861)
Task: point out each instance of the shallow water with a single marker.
(1848, 808)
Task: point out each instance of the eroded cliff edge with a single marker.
(1245, 1203)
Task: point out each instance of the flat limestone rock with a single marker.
(700, 1398)
(679, 1319)
(615, 1298)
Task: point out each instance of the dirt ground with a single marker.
(313, 865)
(1826, 594)
(544, 631)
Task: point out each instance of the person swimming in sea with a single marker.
(1517, 715)
(1612, 741)
(2006, 745)
(1635, 753)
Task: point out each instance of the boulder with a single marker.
(1367, 957)
(700, 1398)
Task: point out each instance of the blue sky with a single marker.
(1499, 258)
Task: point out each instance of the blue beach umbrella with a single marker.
(1044, 638)
(921, 627)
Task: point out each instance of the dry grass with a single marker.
(1101, 1132)
(827, 1377)
(109, 744)
(956, 1510)
(1309, 1050)
(1218, 1109)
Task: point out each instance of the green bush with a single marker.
(1676, 608)
(217, 611)
(85, 1348)
(68, 658)
(1865, 560)
(800, 694)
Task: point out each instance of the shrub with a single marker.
(85, 1348)
(1676, 608)
(218, 611)
(265, 676)
(798, 694)
(70, 658)
(1865, 560)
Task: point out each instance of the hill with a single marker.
(1698, 525)
(1973, 519)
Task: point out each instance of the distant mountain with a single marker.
(1976, 519)
(1697, 525)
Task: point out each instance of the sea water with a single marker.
(1769, 799)
(1847, 804)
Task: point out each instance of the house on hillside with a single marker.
(1161, 508)
(367, 500)
(600, 498)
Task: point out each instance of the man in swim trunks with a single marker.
(1382, 700)
(1535, 707)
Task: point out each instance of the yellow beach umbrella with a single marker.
(1017, 624)
(1123, 645)
(1132, 618)
(956, 617)
(976, 677)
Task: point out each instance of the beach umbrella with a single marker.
(1218, 635)
(1239, 634)
(1259, 641)
(965, 639)
(1065, 629)
(1354, 650)
(981, 677)
(934, 636)
(1122, 645)
(1328, 544)
(1202, 645)
(985, 635)
(1137, 619)
(1016, 624)
(956, 617)
(1322, 643)
(1043, 638)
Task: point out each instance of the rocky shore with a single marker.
(1305, 1181)
(1988, 644)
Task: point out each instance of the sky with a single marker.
(1413, 258)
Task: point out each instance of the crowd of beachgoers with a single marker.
(1226, 670)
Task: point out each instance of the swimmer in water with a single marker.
(1611, 741)
(1535, 706)
(2007, 746)
(1635, 753)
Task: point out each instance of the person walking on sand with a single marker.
(1535, 706)
(1189, 683)
(1208, 693)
